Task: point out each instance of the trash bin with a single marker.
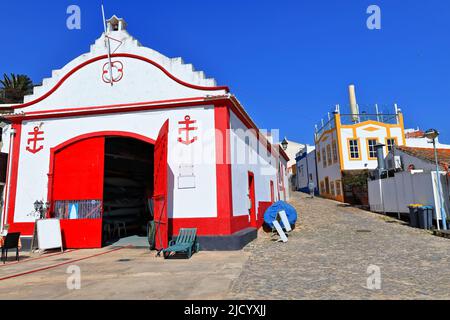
(422, 217)
(430, 215)
(414, 215)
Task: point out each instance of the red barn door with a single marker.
(160, 188)
(77, 192)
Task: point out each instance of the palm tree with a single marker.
(14, 88)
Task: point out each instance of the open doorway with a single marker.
(251, 197)
(128, 189)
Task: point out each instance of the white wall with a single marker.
(408, 160)
(333, 171)
(4, 145)
(249, 156)
(141, 81)
(423, 143)
(395, 194)
(192, 203)
(363, 133)
(292, 149)
(305, 167)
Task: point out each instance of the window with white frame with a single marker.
(354, 148)
(390, 143)
(371, 143)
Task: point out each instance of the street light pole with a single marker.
(438, 178)
(432, 134)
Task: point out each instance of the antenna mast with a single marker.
(108, 45)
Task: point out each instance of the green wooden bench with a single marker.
(186, 242)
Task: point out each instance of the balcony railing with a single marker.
(348, 119)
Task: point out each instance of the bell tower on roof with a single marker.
(116, 24)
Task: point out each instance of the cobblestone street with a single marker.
(328, 254)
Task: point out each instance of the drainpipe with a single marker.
(438, 178)
(307, 166)
(381, 168)
(8, 185)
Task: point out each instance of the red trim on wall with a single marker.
(7, 183)
(239, 223)
(223, 167)
(80, 138)
(81, 233)
(262, 207)
(161, 104)
(205, 226)
(14, 172)
(272, 191)
(116, 55)
(239, 111)
(251, 190)
(108, 108)
(25, 228)
(103, 134)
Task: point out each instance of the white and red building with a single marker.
(97, 140)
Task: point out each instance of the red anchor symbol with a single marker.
(35, 140)
(187, 122)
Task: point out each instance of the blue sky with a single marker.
(288, 62)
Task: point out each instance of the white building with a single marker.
(101, 139)
(416, 138)
(291, 151)
(306, 169)
(345, 145)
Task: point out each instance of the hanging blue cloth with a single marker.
(271, 213)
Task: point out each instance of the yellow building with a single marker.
(345, 150)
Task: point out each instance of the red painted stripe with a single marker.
(7, 181)
(102, 134)
(106, 110)
(136, 104)
(123, 55)
(38, 258)
(223, 168)
(14, 173)
(59, 264)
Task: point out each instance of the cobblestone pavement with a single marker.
(330, 250)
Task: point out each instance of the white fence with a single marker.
(393, 195)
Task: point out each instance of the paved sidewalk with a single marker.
(327, 257)
(123, 274)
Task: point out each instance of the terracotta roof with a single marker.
(415, 134)
(428, 154)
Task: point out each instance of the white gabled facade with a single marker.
(159, 101)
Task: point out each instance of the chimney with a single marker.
(353, 104)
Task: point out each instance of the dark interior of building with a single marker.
(128, 188)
